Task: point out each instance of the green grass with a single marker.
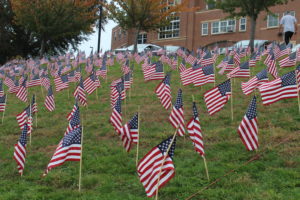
(110, 173)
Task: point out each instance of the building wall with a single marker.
(191, 28)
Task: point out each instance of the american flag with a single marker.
(195, 132)
(206, 60)
(45, 81)
(1, 89)
(35, 81)
(127, 81)
(159, 72)
(205, 75)
(78, 73)
(177, 117)
(217, 97)
(236, 58)
(243, 71)
(163, 92)
(71, 77)
(69, 149)
(281, 88)
(272, 66)
(2, 103)
(252, 61)
(191, 59)
(15, 88)
(20, 150)
(103, 71)
(281, 50)
(49, 100)
(248, 129)
(73, 111)
(61, 82)
(34, 106)
(22, 92)
(116, 116)
(228, 66)
(298, 77)
(129, 133)
(90, 84)
(185, 76)
(255, 82)
(153, 163)
(289, 61)
(79, 93)
(149, 70)
(182, 66)
(9, 81)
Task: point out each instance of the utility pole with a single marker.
(100, 26)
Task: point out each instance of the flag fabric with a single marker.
(45, 81)
(163, 92)
(272, 66)
(23, 117)
(90, 84)
(255, 82)
(195, 132)
(15, 88)
(217, 97)
(34, 107)
(116, 116)
(129, 133)
(35, 81)
(177, 117)
(281, 88)
(153, 168)
(2, 103)
(248, 129)
(243, 71)
(252, 61)
(289, 61)
(69, 149)
(61, 82)
(79, 93)
(182, 66)
(49, 100)
(298, 77)
(22, 92)
(1, 89)
(205, 75)
(20, 150)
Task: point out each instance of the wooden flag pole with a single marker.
(138, 141)
(169, 147)
(297, 83)
(205, 165)
(42, 90)
(80, 163)
(36, 117)
(97, 93)
(4, 108)
(231, 99)
(68, 93)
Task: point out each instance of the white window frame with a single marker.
(244, 24)
(142, 38)
(223, 26)
(293, 13)
(268, 21)
(204, 30)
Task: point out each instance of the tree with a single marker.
(250, 8)
(55, 25)
(144, 15)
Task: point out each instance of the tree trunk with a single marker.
(252, 32)
(42, 50)
(136, 40)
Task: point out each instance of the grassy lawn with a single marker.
(109, 172)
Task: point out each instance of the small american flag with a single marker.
(255, 82)
(281, 88)
(298, 77)
(116, 116)
(129, 133)
(177, 117)
(163, 92)
(217, 97)
(79, 93)
(153, 163)
(248, 128)
(182, 66)
(22, 92)
(272, 66)
(90, 83)
(289, 61)
(34, 106)
(236, 58)
(195, 132)
(2, 103)
(45, 81)
(206, 60)
(35, 81)
(252, 61)
(61, 82)
(243, 71)
(1, 89)
(20, 150)
(49, 100)
(205, 75)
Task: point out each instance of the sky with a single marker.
(93, 39)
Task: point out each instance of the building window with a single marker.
(142, 38)
(293, 13)
(225, 26)
(120, 34)
(171, 31)
(205, 29)
(210, 5)
(273, 20)
(243, 24)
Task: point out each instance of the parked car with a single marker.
(140, 48)
(245, 44)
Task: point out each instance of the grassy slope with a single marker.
(109, 172)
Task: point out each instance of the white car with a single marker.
(244, 44)
(140, 48)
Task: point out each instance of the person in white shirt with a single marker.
(289, 24)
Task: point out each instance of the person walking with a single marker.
(289, 24)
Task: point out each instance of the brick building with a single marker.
(207, 26)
